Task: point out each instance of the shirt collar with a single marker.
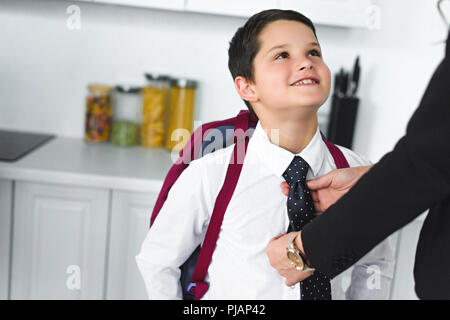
(278, 159)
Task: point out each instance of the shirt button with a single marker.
(292, 287)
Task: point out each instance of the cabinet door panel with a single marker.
(5, 234)
(59, 244)
(130, 220)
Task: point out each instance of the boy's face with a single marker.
(288, 53)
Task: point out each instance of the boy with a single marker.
(278, 70)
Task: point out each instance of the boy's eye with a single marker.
(315, 52)
(282, 55)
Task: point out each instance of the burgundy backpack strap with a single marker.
(198, 284)
(336, 153)
(191, 151)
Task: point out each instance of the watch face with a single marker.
(298, 262)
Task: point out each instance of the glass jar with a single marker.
(127, 115)
(181, 113)
(98, 113)
(154, 110)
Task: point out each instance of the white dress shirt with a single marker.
(257, 212)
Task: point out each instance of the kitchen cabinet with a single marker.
(230, 7)
(130, 221)
(79, 213)
(59, 241)
(158, 4)
(6, 197)
(342, 13)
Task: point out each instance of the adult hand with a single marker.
(329, 188)
(276, 252)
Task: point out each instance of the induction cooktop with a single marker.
(16, 144)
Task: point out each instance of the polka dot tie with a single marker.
(301, 211)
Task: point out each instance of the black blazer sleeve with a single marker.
(405, 182)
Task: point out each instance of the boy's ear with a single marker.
(245, 89)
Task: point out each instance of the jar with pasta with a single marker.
(181, 113)
(154, 110)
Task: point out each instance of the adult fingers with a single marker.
(321, 182)
(319, 207)
(315, 196)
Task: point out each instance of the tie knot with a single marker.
(297, 170)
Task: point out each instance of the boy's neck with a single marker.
(293, 134)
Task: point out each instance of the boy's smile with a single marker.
(289, 73)
(306, 81)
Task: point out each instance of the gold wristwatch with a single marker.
(295, 257)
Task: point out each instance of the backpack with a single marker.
(237, 131)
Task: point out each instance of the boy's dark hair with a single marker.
(245, 43)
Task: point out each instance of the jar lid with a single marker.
(157, 77)
(124, 88)
(99, 88)
(184, 83)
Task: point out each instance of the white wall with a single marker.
(45, 68)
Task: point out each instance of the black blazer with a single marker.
(413, 177)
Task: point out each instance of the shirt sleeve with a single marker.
(177, 230)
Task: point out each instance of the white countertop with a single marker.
(76, 162)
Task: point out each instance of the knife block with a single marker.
(341, 124)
